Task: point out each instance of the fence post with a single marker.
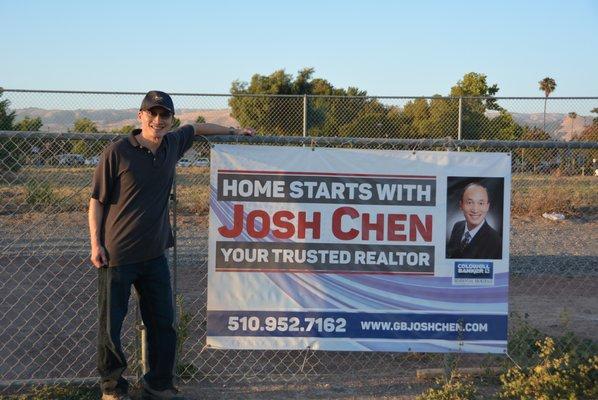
(304, 115)
(460, 117)
(141, 339)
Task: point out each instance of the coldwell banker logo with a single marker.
(473, 273)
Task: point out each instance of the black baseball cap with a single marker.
(156, 98)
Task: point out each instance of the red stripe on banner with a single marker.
(253, 172)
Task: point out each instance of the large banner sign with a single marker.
(358, 250)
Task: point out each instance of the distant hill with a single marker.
(107, 119)
(558, 125)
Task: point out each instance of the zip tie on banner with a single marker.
(415, 148)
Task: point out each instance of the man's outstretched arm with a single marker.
(206, 129)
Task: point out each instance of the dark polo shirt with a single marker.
(134, 186)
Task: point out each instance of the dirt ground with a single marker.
(47, 312)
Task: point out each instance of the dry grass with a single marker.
(195, 199)
(571, 195)
(532, 194)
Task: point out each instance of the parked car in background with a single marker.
(93, 160)
(201, 162)
(70, 159)
(184, 162)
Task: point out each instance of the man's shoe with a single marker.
(115, 396)
(152, 394)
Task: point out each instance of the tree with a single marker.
(10, 152)
(572, 116)
(85, 147)
(282, 112)
(6, 117)
(32, 146)
(474, 84)
(534, 156)
(595, 111)
(84, 125)
(478, 99)
(586, 157)
(29, 124)
(504, 127)
(200, 120)
(175, 123)
(547, 85)
(124, 129)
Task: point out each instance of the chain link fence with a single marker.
(48, 287)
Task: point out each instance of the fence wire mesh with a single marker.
(48, 287)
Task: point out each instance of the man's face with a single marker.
(474, 205)
(156, 121)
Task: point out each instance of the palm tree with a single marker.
(547, 85)
(572, 116)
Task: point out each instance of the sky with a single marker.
(399, 48)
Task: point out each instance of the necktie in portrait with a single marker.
(465, 241)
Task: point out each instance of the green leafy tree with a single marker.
(86, 147)
(200, 120)
(29, 124)
(84, 125)
(124, 129)
(532, 156)
(443, 118)
(7, 117)
(474, 84)
(10, 151)
(478, 99)
(439, 117)
(282, 115)
(417, 113)
(32, 146)
(547, 85)
(504, 127)
(273, 115)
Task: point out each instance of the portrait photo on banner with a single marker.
(474, 218)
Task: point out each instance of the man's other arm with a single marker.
(98, 253)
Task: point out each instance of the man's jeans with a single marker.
(152, 280)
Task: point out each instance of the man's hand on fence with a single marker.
(98, 256)
(244, 131)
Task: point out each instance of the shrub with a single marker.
(522, 339)
(523, 342)
(455, 388)
(554, 377)
(11, 154)
(39, 193)
(184, 369)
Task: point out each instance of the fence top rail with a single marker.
(322, 140)
(307, 95)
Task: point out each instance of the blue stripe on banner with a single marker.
(358, 325)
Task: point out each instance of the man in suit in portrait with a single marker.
(474, 238)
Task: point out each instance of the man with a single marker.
(474, 237)
(130, 231)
